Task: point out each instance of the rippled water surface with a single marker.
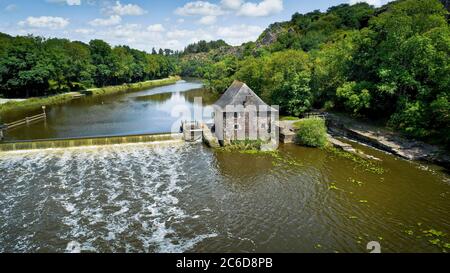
(188, 198)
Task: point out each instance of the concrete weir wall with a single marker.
(96, 141)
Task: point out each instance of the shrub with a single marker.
(244, 145)
(312, 132)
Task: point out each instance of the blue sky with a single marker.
(144, 24)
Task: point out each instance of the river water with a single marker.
(189, 198)
(146, 112)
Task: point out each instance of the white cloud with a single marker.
(243, 8)
(73, 2)
(137, 36)
(201, 8)
(208, 20)
(238, 34)
(263, 8)
(84, 31)
(232, 4)
(111, 21)
(127, 9)
(156, 28)
(45, 22)
(234, 34)
(68, 2)
(180, 34)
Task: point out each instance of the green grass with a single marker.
(36, 103)
(288, 118)
(131, 87)
(312, 132)
(244, 145)
(33, 103)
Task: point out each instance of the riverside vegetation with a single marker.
(36, 103)
(312, 132)
(389, 64)
(34, 66)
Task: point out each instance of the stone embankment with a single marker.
(383, 139)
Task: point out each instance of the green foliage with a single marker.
(312, 132)
(365, 164)
(287, 81)
(354, 99)
(32, 66)
(288, 118)
(204, 46)
(249, 146)
(390, 63)
(36, 103)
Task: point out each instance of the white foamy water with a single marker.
(146, 198)
(104, 199)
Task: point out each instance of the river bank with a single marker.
(105, 113)
(36, 103)
(377, 136)
(386, 140)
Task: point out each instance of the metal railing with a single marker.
(25, 121)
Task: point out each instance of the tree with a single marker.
(25, 71)
(103, 60)
(287, 79)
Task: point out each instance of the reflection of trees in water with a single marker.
(161, 97)
(209, 97)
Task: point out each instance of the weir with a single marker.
(93, 141)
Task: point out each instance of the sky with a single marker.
(144, 24)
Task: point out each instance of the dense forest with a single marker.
(33, 66)
(390, 64)
(204, 46)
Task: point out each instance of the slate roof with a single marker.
(239, 94)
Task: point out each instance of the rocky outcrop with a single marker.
(271, 34)
(386, 140)
(349, 148)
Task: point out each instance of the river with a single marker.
(145, 112)
(189, 198)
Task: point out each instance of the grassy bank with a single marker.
(131, 87)
(36, 103)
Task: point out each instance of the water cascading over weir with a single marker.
(93, 141)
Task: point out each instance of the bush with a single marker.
(244, 145)
(312, 132)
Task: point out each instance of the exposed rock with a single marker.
(386, 140)
(349, 148)
(270, 35)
